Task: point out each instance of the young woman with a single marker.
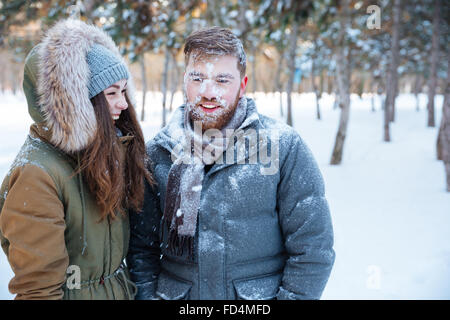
(64, 204)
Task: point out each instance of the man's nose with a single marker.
(210, 91)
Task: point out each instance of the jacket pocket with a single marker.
(258, 288)
(171, 287)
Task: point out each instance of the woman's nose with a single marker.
(122, 104)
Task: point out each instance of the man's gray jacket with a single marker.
(260, 234)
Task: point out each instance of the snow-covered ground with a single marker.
(390, 211)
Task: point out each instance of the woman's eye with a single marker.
(197, 79)
(222, 81)
(123, 91)
(111, 93)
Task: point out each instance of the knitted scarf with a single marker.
(185, 180)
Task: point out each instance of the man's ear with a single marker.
(243, 85)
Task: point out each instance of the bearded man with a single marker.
(238, 210)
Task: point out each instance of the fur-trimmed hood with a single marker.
(62, 82)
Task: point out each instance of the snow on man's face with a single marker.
(212, 87)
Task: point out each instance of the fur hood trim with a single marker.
(63, 82)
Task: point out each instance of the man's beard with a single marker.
(217, 119)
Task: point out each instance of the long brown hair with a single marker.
(117, 184)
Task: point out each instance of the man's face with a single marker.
(213, 87)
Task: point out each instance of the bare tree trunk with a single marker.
(144, 84)
(444, 132)
(164, 85)
(392, 75)
(3, 81)
(373, 93)
(174, 80)
(281, 103)
(290, 83)
(372, 102)
(417, 90)
(329, 84)
(314, 88)
(253, 68)
(439, 146)
(361, 87)
(278, 81)
(441, 135)
(387, 120)
(380, 91)
(336, 101)
(322, 84)
(434, 61)
(15, 85)
(334, 90)
(320, 94)
(343, 80)
(447, 171)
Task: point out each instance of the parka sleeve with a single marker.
(143, 258)
(306, 225)
(32, 221)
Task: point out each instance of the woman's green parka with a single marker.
(50, 227)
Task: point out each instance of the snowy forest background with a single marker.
(365, 83)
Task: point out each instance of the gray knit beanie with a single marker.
(106, 69)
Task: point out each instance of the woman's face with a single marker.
(115, 95)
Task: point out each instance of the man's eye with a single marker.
(222, 81)
(197, 79)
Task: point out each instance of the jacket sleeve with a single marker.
(143, 259)
(32, 220)
(306, 225)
